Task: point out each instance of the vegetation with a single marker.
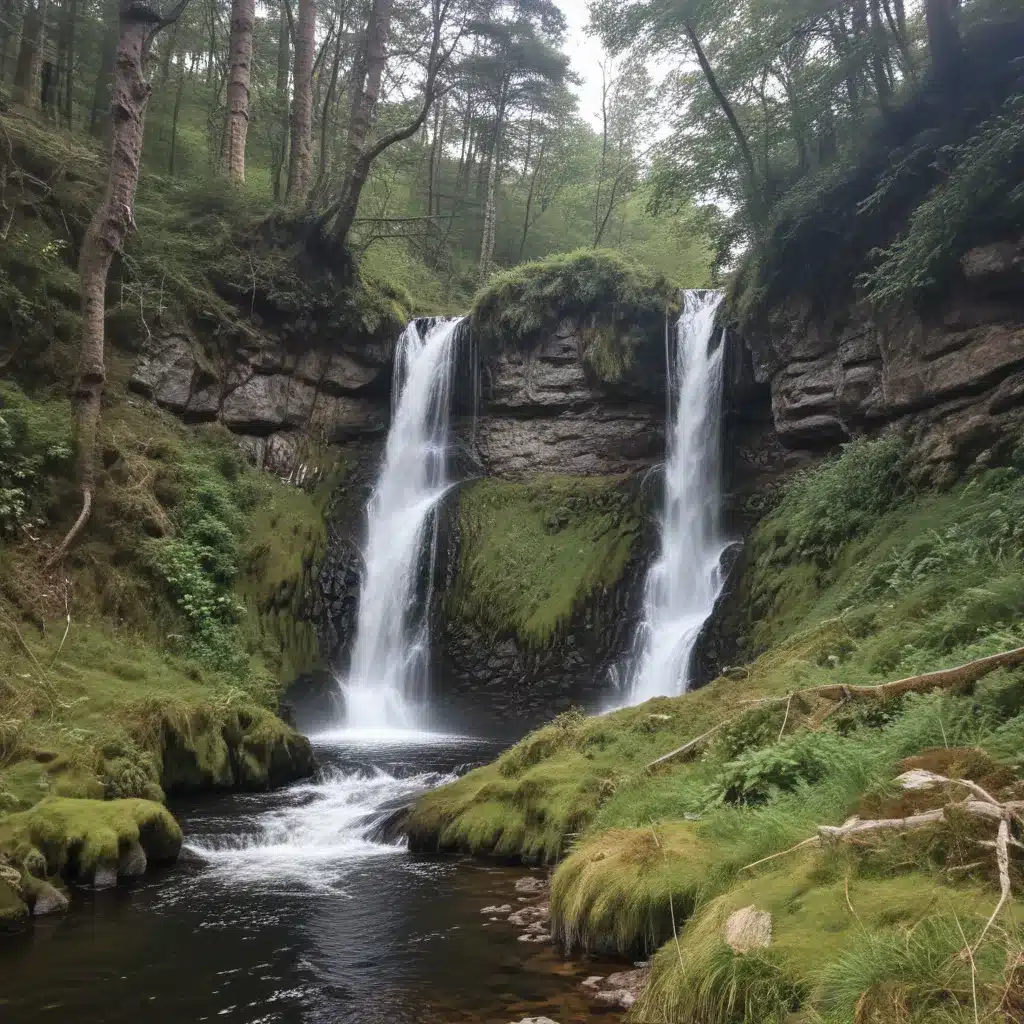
(876, 589)
(532, 553)
(590, 288)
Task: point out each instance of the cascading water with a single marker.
(387, 680)
(684, 583)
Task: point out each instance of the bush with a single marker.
(822, 510)
(34, 440)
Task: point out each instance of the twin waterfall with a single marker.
(387, 683)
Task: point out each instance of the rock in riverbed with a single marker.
(621, 989)
(531, 886)
(527, 915)
(505, 908)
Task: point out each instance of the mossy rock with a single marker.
(250, 748)
(13, 909)
(77, 837)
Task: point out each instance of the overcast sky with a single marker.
(586, 55)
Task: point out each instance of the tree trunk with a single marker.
(101, 91)
(27, 84)
(236, 117)
(750, 167)
(530, 195)
(174, 117)
(325, 118)
(491, 200)
(880, 55)
(300, 163)
(111, 224)
(69, 67)
(10, 19)
(367, 92)
(281, 97)
(942, 21)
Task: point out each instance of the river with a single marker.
(283, 909)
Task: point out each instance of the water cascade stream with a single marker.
(685, 581)
(387, 681)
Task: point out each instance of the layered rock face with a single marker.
(954, 378)
(546, 411)
(277, 403)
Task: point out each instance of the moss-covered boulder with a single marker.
(13, 910)
(86, 839)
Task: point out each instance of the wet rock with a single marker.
(535, 937)
(527, 915)
(104, 876)
(748, 928)
(132, 861)
(593, 982)
(48, 900)
(618, 997)
(535, 1020)
(505, 908)
(534, 886)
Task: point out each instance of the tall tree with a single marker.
(111, 224)
(236, 116)
(941, 19)
(27, 73)
(300, 163)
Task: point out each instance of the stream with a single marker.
(283, 908)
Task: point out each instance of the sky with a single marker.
(586, 54)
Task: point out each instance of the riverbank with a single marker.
(856, 578)
(284, 906)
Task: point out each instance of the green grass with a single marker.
(857, 577)
(531, 553)
(616, 299)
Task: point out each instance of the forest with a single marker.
(525, 317)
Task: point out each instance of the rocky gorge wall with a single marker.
(951, 377)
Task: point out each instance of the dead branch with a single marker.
(691, 747)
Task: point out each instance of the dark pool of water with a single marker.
(287, 912)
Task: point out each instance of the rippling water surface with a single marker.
(285, 909)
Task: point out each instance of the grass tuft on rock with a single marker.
(594, 289)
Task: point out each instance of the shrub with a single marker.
(823, 509)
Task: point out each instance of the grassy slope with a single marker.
(855, 578)
(531, 553)
(153, 660)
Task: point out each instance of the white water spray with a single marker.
(386, 686)
(684, 583)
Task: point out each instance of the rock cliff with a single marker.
(952, 377)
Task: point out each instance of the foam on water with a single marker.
(316, 835)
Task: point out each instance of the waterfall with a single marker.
(387, 681)
(684, 583)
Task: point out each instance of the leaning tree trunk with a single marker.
(300, 162)
(27, 85)
(236, 117)
(111, 224)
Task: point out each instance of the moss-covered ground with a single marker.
(532, 552)
(856, 577)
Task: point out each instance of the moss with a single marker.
(619, 300)
(77, 836)
(13, 910)
(838, 935)
(532, 553)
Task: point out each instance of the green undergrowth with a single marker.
(531, 553)
(155, 661)
(616, 301)
(857, 576)
(937, 172)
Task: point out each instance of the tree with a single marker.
(942, 22)
(236, 117)
(27, 83)
(110, 226)
(300, 163)
(360, 154)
